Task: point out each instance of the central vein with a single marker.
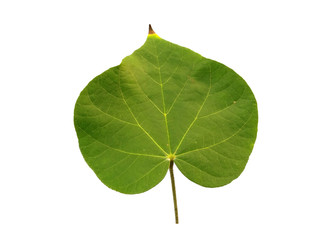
(163, 102)
(165, 117)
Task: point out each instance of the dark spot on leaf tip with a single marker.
(151, 30)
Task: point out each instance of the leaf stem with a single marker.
(174, 191)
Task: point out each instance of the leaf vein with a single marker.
(174, 101)
(223, 108)
(174, 71)
(139, 123)
(163, 102)
(222, 141)
(144, 175)
(155, 105)
(210, 174)
(119, 150)
(196, 117)
(109, 114)
(141, 55)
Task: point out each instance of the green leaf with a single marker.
(166, 103)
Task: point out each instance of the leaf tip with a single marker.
(152, 33)
(151, 30)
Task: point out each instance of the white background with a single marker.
(50, 50)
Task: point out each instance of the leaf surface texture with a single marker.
(165, 100)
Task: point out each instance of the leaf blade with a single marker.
(166, 100)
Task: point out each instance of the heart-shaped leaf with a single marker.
(166, 104)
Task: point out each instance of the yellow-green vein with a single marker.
(196, 117)
(116, 149)
(222, 141)
(163, 102)
(134, 117)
